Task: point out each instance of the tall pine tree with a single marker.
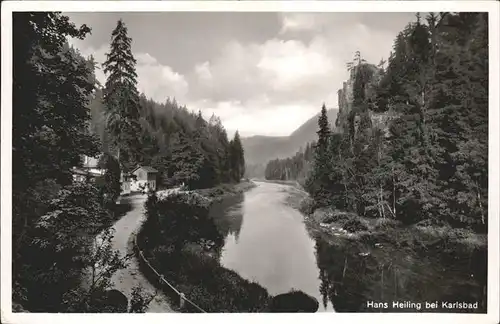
(319, 182)
(237, 158)
(121, 98)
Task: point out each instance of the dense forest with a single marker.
(60, 113)
(412, 143)
(294, 168)
(182, 145)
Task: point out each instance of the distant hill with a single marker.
(261, 149)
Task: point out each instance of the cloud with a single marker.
(242, 116)
(203, 72)
(154, 79)
(284, 71)
(267, 85)
(287, 64)
(291, 22)
(272, 87)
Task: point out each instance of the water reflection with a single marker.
(230, 225)
(266, 241)
(350, 279)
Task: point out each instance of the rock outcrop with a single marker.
(348, 113)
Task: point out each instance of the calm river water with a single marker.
(266, 241)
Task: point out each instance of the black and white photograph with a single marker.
(250, 157)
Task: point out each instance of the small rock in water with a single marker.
(294, 302)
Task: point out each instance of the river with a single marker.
(266, 241)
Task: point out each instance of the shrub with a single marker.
(307, 206)
(180, 219)
(354, 225)
(385, 224)
(338, 217)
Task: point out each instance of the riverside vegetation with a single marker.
(401, 180)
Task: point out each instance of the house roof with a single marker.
(90, 162)
(145, 168)
(84, 172)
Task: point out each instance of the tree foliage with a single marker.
(51, 89)
(181, 145)
(294, 168)
(414, 139)
(236, 158)
(109, 183)
(180, 219)
(55, 220)
(121, 97)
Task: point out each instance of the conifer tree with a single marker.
(110, 182)
(319, 181)
(121, 97)
(237, 158)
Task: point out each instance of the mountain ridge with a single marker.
(259, 149)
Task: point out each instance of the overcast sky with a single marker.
(261, 73)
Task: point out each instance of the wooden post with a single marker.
(181, 300)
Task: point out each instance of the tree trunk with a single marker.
(345, 267)
(381, 201)
(382, 284)
(393, 194)
(480, 204)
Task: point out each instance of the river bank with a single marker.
(293, 183)
(226, 190)
(381, 258)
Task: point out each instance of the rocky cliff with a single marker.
(351, 115)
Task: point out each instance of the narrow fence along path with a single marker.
(125, 279)
(124, 241)
(182, 299)
(161, 278)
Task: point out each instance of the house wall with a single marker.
(141, 174)
(125, 187)
(136, 185)
(78, 178)
(151, 176)
(143, 178)
(82, 174)
(95, 171)
(152, 184)
(90, 162)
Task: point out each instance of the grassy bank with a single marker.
(382, 260)
(293, 183)
(224, 191)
